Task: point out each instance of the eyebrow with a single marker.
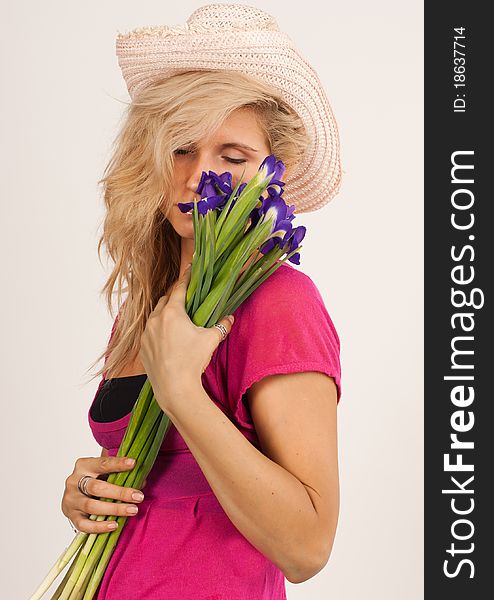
(236, 145)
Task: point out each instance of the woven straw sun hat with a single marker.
(238, 37)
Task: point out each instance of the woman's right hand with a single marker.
(78, 507)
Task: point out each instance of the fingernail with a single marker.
(129, 461)
(231, 318)
(138, 496)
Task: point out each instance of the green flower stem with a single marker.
(134, 478)
(219, 310)
(78, 593)
(247, 245)
(258, 263)
(249, 276)
(237, 218)
(139, 412)
(226, 208)
(234, 244)
(59, 566)
(201, 236)
(145, 468)
(210, 252)
(194, 275)
(59, 589)
(121, 478)
(214, 299)
(203, 259)
(222, 248)
(250, 286)
(214, 306)
(105, 544)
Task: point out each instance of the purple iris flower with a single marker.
(294, 240)
(274, 209)
(274, 202)
(289, 212)
(271, 165)
(277, 240)
(208, 188)
(283, 234)
(208, 183)
(289, 242)
(204, 205)
(275, 187)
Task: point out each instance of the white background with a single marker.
(60, 109)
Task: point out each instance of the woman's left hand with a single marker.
(174, 351)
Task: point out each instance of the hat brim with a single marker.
(275, 60)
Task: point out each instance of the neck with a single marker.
(186, 253)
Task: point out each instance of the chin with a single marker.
(182, 224)
(184, 230)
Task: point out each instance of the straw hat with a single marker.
(238, 37)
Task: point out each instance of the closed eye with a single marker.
(235, 161)
(182, 151)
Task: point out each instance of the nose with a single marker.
(195, 169)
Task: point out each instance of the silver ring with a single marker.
(82, 485)
(222, 329)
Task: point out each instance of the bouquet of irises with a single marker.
(241, 236)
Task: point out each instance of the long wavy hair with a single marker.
(140, 240)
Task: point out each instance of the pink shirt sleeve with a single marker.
(283, 327)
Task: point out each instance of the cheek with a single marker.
(250, 170)
(178, 174)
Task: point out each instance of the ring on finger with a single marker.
(223, 330)
(82, 485)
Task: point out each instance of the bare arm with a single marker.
(285, 504)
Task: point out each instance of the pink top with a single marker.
(182, 545)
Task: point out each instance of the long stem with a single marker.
(149, 424)
(59, 589)
(249, 286)
(105, 541)
(194, 275)
(146, 467)
(59, 566)
(139, 412)
(75, 581)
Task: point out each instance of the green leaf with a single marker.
(194, 275)
(253, 283)
(224, 210)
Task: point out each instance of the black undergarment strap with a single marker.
(116, 398)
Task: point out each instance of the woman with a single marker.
(234, 505)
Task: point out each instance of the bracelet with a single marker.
(74, 528)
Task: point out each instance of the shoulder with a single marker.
(287, 302)
(287, 276)
(287, 285)
(282, 327)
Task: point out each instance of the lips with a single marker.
(187, 214)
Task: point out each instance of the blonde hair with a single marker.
(138, 237)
